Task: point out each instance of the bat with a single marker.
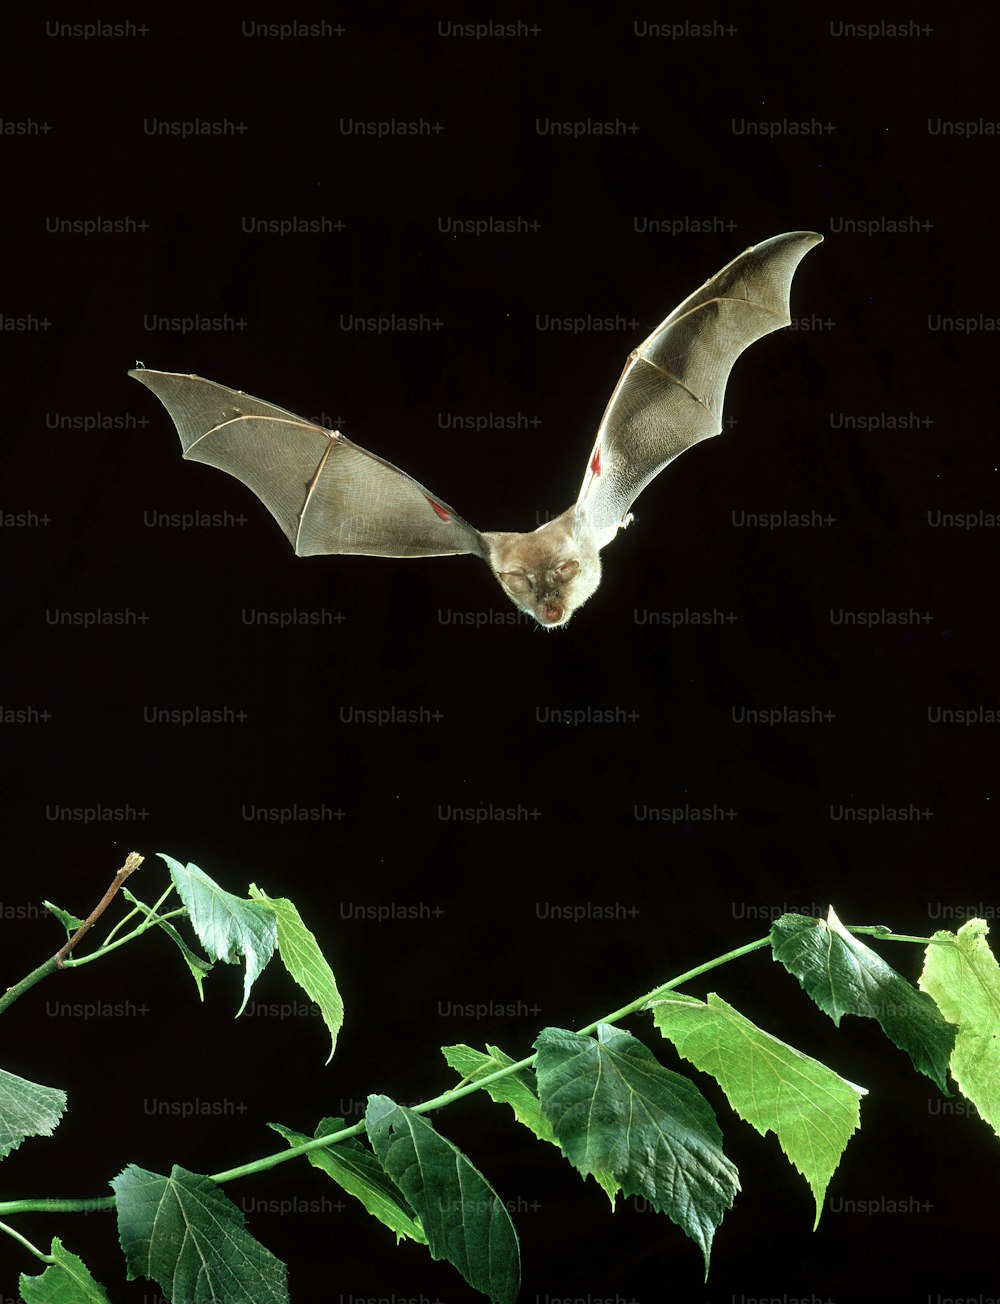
(330, 495)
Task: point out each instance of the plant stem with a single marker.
(132, 862)
(138, 907)
(467, 1088)
(149, 922)
(58, 961)
(456, 1093)
(425, 1107)
(633, 1006)
(51, 965)
(886, 935)
(14, 993)
(94, 1204)
(39, 1254)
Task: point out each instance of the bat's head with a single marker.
(550, 572)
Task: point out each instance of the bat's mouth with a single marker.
(552, 612)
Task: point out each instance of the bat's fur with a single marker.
(550, 572)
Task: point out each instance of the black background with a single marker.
(870, 412)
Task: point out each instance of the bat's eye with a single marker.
(567, 570)
(515, 581)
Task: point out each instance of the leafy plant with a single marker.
(599, 1094)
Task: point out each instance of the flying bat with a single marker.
(329, 495)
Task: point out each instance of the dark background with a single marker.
(871, 412)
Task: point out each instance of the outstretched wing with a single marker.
(327, 494)
(671, 392)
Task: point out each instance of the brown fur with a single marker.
(550, 572)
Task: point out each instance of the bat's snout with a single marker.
(552, 611)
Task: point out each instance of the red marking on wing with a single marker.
(439, 509)
(595, 461)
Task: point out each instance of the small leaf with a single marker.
(616, 1109)
(66, 1281)
(517, 1089)
(184, 1234)
(811, 1110)
(843, 976)
(464, 1219)
(69, 921)
(964, 979)
(227, 926)
(301, 956)
(27, 1109)
(197, 964)
(354, 1167)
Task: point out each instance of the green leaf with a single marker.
(517, 1089)
(227, 926)
(303, 959)
(354, 1167)
(811, 1110)
(69, 921)
(463, 1218)
(843, 976)
(66, 1281)
(27, 1109)
(964, 979)
(615, 1108)
(197, 964)
(184, 1234)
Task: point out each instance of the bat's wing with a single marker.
(327, 494)
(671, 392)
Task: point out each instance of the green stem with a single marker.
(14, 993)
(51, 965)
(138, 907)
(887, 935)
(39, 1254)
(456, 1093)
(438, 1102)
(96, 1204)
(149, 922)
(633, 1006)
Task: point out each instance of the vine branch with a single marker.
(58, 961)
(464, 1088)
(132, 862)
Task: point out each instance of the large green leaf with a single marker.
(811, 1110)
(964, 979)
(354, 1167)
(464, 1219)
(301, 956)
(614, 1108)
(27, 1109)
(516, 1089)
(184, 1234)
(67, 1280)
(227, 926)
(843, 976)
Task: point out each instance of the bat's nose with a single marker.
(552, 611)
